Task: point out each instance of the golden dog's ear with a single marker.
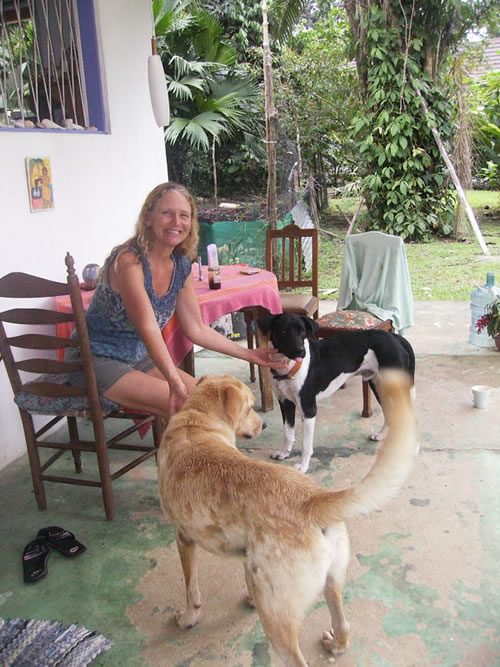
(203, 377)
(234, 402)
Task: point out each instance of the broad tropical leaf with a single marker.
(283, 16)
(171, 16)
(183, 89)
(197, 130)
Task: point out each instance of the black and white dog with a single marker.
(319, 367)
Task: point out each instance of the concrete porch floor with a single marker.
(423, 585)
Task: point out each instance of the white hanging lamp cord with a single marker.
(158, 87)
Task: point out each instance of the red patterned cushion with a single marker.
(349, 319)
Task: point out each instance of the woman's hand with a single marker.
(267, 356)
(178, 394)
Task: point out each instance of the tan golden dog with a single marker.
(288, 531)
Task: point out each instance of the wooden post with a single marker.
(453, 173)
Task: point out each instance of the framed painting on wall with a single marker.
(41, 191)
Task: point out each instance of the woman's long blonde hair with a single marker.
(142, 240)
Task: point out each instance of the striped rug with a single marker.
(25, 642)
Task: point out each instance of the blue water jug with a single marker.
(479, 299)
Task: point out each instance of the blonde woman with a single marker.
(143, 282)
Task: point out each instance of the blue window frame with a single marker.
(91, 64)
(87, 107)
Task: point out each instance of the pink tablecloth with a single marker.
(237, 291)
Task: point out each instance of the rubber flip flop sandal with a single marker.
(62, 540)
(35, 556)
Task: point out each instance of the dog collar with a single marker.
(290, 373)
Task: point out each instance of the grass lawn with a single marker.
(442, 270)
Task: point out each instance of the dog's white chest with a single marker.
(289, 388)
(335, 384)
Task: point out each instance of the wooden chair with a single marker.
(374, 272)
(285, 254)
(287, 263)
(50, 394)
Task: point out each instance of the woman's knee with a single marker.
(138, 390)
(189, 381)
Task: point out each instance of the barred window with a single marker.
(49, 66)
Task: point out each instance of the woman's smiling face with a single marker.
(170, 219)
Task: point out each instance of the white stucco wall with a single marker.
(100, 181)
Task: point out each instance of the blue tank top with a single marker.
(111, 332)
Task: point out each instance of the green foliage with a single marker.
(441, 269)
(242, 23)
(405, 181)
(317, 89)
(284, 16)
(485, 113)
(491, 174)
(14, 65)
(213, 99)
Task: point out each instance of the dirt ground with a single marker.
(227, 209)
(255, 209)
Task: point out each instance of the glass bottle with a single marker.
(214, 281)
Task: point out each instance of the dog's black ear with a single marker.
(311, 325)
(265, 323)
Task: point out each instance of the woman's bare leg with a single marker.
(146, 392)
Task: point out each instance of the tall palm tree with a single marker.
(211, 98)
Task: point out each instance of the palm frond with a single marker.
(175, 128)
(209, 24)
(243, 87)
(180, 91)
(208, 43)
(197, 131)
(283, 16)
(171, 16)
(183, 66)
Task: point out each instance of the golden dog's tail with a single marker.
(392, 465)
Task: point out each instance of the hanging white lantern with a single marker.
(158, 88)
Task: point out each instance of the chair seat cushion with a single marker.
(302, 304)
(349, 320)
(71, 406)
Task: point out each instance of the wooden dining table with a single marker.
(241, 290)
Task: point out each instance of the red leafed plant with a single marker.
(491, 319)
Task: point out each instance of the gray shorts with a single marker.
(107, 370)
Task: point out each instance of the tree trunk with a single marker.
(214, 171)
(462, 157)
(321, 179)
(271, 124)
(299, 152)
(355, 9)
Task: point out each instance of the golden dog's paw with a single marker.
(187, 619)
(331, 644)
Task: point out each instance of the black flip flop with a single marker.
(62, 540)
(35, 556)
